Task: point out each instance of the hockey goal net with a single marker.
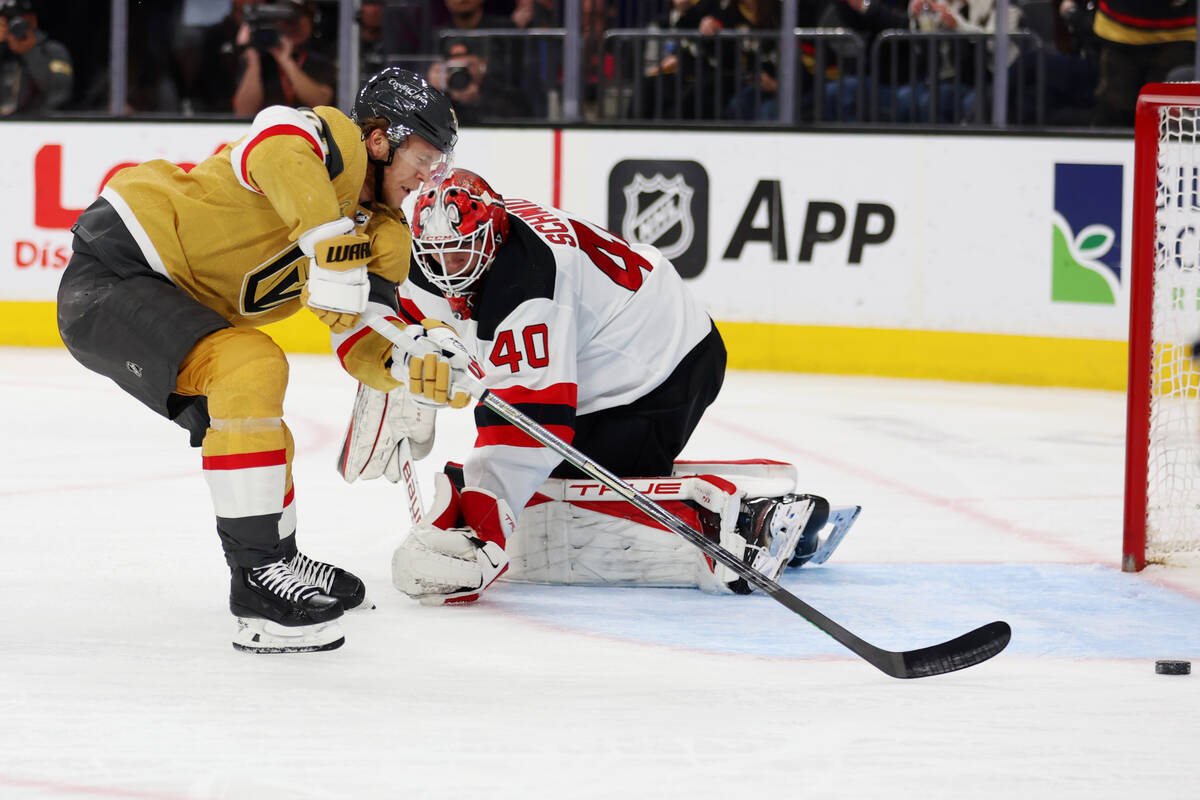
(1162, 446)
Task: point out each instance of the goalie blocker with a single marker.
(580, 532)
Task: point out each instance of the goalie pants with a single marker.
(642, 438)
(119, 318)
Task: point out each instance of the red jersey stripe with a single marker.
(1145, 22)
(515, 437)
(561, 394)
(276, 130)
(266, 458)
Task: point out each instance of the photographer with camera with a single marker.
(278, 66)
(475, 93)
(35, 72)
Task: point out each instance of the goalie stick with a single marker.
(964, 651)
(408, 474)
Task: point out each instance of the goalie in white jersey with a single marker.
(599, 341)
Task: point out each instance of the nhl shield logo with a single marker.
(658, 211)
(663, 203)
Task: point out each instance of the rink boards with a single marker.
(967, 257)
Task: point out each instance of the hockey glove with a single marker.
(337, 285)
(379, 423)
(460, 552)
(436, 366)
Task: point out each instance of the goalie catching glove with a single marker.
(458, 554)
(437, 366)
(337, 286)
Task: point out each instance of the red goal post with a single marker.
(1162, 437)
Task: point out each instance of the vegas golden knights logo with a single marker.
(275, 282)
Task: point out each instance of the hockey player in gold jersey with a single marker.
(173, 273)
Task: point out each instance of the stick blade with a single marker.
(967, 650)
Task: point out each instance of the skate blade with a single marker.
(263, 636)
(366, 605)
(840, 520)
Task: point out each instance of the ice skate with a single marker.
(279, 613)
(331, 580)
(784, 530)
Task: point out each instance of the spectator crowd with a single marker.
(1070, 62)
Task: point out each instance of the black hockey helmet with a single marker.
(410, 105)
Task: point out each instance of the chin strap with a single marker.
(379, 167)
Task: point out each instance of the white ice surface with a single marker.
(117, 678)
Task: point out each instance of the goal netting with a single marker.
(1162, 480)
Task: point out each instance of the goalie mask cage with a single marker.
(1162, 438)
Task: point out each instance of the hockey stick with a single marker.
(965, 651)
(408, 474)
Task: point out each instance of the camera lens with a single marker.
(458, 78)
(18, 27)
(265, 38)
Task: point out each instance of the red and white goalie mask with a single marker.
(457, 227)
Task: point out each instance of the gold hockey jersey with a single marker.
(226, 231)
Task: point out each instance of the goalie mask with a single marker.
(457, 227)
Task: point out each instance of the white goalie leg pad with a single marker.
(255, 635)
(757, 477)
(580, 532)
(379, 423)
(560, 543)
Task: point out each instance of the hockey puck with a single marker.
(1167, 667)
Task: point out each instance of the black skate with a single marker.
(279, 613)
(333, 581)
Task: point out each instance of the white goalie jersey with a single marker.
(568, 320)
